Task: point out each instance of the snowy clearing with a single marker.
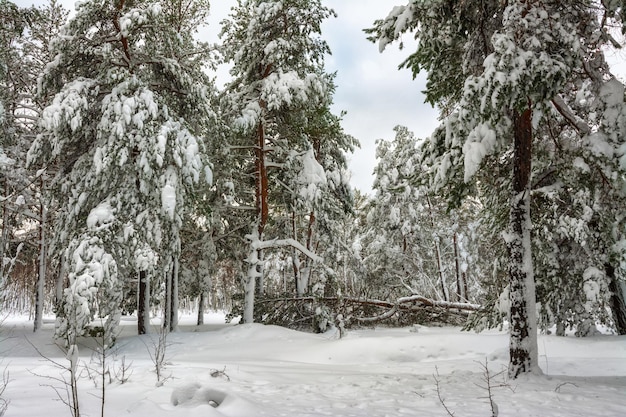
(256, 370)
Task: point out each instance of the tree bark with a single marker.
(261, 180)
(253, 281)
(250, 284)
(523, 331)
(617, 289)
(459, 279)
(41, 274)
(143, 303)
(167, 305)
(201, 299)
(4, 237)
(60, 285)
(174, 298)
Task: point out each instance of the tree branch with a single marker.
(570, 117)
(281, 243)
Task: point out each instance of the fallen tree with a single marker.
(302, 312)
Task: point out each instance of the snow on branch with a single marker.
(281, 243)
(435, 303)
(569, 115)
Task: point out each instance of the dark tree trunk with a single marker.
(59, 287)
(143, 303)
(523, 334)
(170, 310)
(618, 299)
(167, 305)
(200, 320)
(174, 298)
(459, 277)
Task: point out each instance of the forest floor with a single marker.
(255, 370)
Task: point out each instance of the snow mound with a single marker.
(195, 394)
(197, 400)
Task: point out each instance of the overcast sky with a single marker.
(370, 88)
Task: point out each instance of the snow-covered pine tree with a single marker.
(25, 37)
(277, 56)
(12, 179)
(130, 99)
(580, 192)
(507, 65)
(414, 243)
(318, 195)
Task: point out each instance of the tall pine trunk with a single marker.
(253, 280)
(523, 331)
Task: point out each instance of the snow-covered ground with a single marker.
(256, 370)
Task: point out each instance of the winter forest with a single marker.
(136, 190)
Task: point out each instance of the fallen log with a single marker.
(409, 304)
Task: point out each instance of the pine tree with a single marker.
(414, 242)
(130, 100)
(26, 33)
(277, 58)
(511, 63)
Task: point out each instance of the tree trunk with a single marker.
(4, 237)
(618, 299)
(295, 256)
(167, 305)
(143, 303)
(173, 323)
(523, 331)
(295, 262)
(254, 276)
(262, 183)
(202, 297)
(442, 278)
(459, 278)
(250, 284)
(60, 285)
(260, 285)
(41, 275)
